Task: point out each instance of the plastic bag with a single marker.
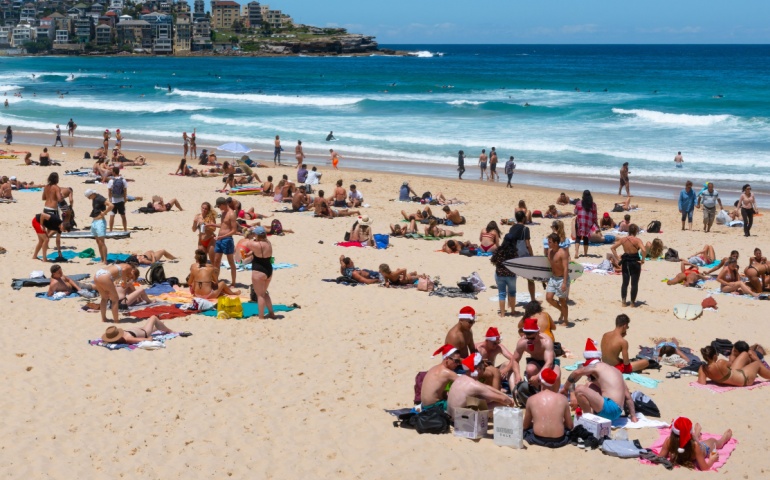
(231, 306)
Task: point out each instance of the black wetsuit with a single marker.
(461, 165)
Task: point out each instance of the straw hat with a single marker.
(365, 220)
(112, 334)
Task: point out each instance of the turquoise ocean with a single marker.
(569, 114)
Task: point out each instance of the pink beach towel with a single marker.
(349, 244)
(759, 382)
(724, 452)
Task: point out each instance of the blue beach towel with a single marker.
(68, 254)
(251, 309)
(114, 257)
(159, 288)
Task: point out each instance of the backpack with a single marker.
(155, 274)
(619, 208)
(434, 420)
(118, 188)
(654, 227)
(275, 227)
(671, 255)
(644, 404)
(86, 155)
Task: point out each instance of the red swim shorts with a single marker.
(624, 368)
(36, 225)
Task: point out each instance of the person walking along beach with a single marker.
(482, 162)
(624, 180)
(748, 205)
(687, 204)
(185, 144)
(493, 175)
(510, 166)
(335, 157)
(58, 136)
(709, 200)
(299, 154)
(461, 163)
(630, 263)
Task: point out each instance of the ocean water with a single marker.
(570, 111)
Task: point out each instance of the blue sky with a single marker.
(544, 21)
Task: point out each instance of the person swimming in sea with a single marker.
(330, 137)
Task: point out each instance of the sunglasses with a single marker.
(457, 361)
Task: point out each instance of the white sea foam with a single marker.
(9, 88)
(117, 106)
(424, 54)
(678, 119)
(465, 102)
(330, 101)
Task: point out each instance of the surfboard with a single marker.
(88, 234)
(687, 311)
(538, 268)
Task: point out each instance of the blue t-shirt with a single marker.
(687, 200)
(403, 194)
(302, 175)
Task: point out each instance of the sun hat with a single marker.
(112, 334)
(365, 220)
(89, 192)
(405, 184)
(259, 230)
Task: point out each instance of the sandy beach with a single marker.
(304, 396)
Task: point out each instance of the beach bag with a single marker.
(654, 227)
(118, 188)
(722, 217)
(521, 244)
(155, 274)
(522, 392)
(231, 306)
(425, 284)
(618, 208)
(86, 155)
(434, 421)
(418, 379)
(465, 286)
(708, 302)
(478, 284)
(276, 228)
(671, 255)
(644, 404)
(537, 214)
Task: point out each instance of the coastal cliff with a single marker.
(343, 44)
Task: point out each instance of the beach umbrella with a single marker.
(234, 147)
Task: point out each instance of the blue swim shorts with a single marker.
(225, 245)
(99, 228)
(611, 410)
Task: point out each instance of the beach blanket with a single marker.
(341, 282)
(30, 190)
(251, 309)
(724, 452)
(55, 298)
(758, 383)
(350, 244)
(156, 337)
(642, 380)
(164, 312)
(642, 422)
(114, 257)
(159, 288)
(420, 236)
(17, 283)
(452, 292)
(732, 294)
(67, 254)
(177, 296)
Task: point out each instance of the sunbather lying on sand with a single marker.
(135, 334)
(400, 230)
(397, 277)
(149, 257)
(433, 230)
(688, 277)
(348, 269)
(743, 372)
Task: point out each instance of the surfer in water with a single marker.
(330, 137)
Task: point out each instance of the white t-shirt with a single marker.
(113, 198)
(709, 200)
(357, 195)
(312, 178)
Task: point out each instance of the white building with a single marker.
(22, 34)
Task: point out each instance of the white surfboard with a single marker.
(538, 268)
(687, 311)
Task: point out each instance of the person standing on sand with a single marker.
(71, 128)
(585, 211)
(224, 244)
(687, 203)
(193, 146)
(493, 175)
(58, 136)
(678, 160)
(709, 200)
(483, 163)
(461, 163)
(106, 141)
(748, 204)
(510, 166)
(624, 180)
(185, 144)
(118, 139)
(299, 154)
(335, 158)
(8, 135)
(277, 151)
(100, 207)
(558, 284)
(630, 263)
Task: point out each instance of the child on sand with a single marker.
(686, 447)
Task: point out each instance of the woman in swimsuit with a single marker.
(185, 170)
(718, 370)
(534, 309)
(132, 295)
(730, 280)
(206, 233)
(104, 282)
(362, 232)
(261, 270)
(758, 271)
(606, 223)
(397, 277)
(489, 239)
(151, 256)
(688, 277)
(654, 249)
(135, 334)
(432, 230)
(631, 263)
(687, 448)
(523, 208)
(748, 204)
(400, 230)
(704, 257)
(204, 279)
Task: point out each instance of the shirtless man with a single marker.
(434, 385)
(624, 180)
(454, 216)
(558, 285)
(563, 199)
(540, 348)
(267, 187)
(606, 393)
(460, 335)
(161, 206)
(321, 206)
(425, 213)
(62, 283)
(348, 269)
(467, 386)
(615, 348)
(224, 244)
(489, 349)
(493, 175)
(547, 417)
(340, 196)
(300, 201)
(483, 163)
(52, 195)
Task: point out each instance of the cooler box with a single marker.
(598, 426)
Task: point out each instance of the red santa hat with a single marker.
(471, 362)
(445, 351)
(467, 313)
(530, 326)
(682, 426)
(591, 354)
(493, 335)
(548, 377)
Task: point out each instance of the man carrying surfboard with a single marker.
(558, 285)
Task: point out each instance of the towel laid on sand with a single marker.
(55, 298)
(240, 267)
(251, 309)
(68, 254)
(156, 337)
(350, 244)
(159, 288)
(759, 382)
(724, 452)
(642, 422)
(164, 312)
(642, 380)
(17, 283)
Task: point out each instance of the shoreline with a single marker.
(572, 184)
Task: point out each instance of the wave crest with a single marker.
(272, 99)
(679, 119)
